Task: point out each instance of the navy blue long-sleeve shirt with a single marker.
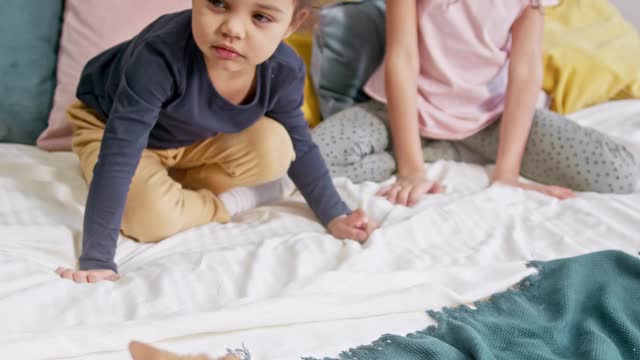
(154, 92)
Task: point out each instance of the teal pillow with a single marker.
(29, 30)
(348, 46)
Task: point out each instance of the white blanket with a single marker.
(273, 279)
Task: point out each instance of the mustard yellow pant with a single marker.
(175, 189)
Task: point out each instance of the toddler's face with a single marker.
(236, 35)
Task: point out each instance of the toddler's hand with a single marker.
(88, 276)
(355, 226)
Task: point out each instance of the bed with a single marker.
(273, 280)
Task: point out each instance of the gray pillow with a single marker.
(348, 46)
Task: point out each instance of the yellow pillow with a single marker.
(301, 42)
(591, 55)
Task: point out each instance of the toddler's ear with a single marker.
(299, 19)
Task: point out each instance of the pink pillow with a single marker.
(91, 26)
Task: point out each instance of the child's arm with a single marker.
(309, 171)
(401, 85)
(525, 82)
(402, 67)
(124, 139)
(145, 85)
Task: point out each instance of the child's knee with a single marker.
(273, 149)
(375, 167)
(148, 219)
(618, 168)
(352, 134)
(87, 128)
(622, 178)
(141, 227)
(607, 176)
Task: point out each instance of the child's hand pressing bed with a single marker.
(355, 226)
(87, 276)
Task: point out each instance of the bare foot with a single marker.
(141, 351)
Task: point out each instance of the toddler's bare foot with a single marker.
(141, 351)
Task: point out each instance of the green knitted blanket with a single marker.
(587, 307)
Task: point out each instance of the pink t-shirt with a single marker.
(464, 50)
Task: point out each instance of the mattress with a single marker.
(273, 280)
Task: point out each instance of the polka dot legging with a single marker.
(355, 143)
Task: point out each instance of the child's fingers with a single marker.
(349, 232)
(113, 277)
(403, 195)
(100, 275)
(67, 274)
(353, 227)
(436, 188)
(415, 195)
(560, 192)
(384, 191)
(551, 192)
(430, 187)
(565, 193)
(557, 192)
(371, 227)
(357, 219)
(358, 235)
(392, 195)
(359, 213)
(93, 278)
(80, 277)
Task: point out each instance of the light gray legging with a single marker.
(355, 143)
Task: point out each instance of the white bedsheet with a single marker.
(273, 279)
